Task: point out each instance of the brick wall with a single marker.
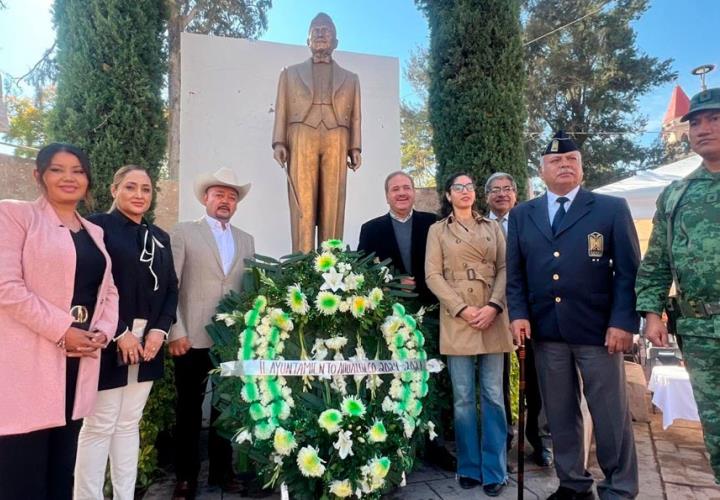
(16, 182)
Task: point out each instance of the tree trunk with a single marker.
(175, 28)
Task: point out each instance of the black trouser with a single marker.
(39, 465)
(533, 401)
(191, 374)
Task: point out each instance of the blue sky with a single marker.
(684, 31)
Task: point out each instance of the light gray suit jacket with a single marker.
(201, 278)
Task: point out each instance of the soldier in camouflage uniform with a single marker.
(685, 249)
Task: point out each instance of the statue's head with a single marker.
(322, 36)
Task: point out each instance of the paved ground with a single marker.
(673, 465)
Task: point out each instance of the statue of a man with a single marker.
(317, 136)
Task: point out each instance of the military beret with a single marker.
(560, 143)
(705, 100)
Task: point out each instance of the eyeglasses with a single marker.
(458, 188)
(504, 190)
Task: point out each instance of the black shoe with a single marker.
(494, 489)
(543, 457)
(467, 483)
(564, 493)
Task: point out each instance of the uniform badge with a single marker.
(595, 245)
(554, 146)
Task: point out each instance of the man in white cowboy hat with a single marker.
(209, 255)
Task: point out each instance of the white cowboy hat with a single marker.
(223, 177)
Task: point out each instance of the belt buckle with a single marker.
(470, 274)
(79, 313)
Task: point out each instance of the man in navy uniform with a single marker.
(572, 257)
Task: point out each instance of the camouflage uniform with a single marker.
(696, 255)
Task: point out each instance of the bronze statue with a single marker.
(317, 137)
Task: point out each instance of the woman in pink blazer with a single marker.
(58, 308)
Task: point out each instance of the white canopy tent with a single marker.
(641, 190)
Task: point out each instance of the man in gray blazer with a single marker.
(209, 256)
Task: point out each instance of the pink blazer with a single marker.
(37, 277)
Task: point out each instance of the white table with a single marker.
(673, 394)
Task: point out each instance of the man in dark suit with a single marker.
(572, 257)
(401, 234)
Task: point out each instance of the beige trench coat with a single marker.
(468, 269)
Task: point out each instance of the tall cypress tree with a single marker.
(109, 102)
(476, 88)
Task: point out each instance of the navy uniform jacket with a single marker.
(576, 284)
(377, 235)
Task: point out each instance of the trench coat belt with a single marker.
(470, 273)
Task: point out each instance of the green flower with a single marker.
(249, 393)
(410, 322)
(263, 430)
(309, 463)
(377, 433)
(248, 339)
(327, 303)
(398, 310)
(330, 420)
(257, 411)
(284, 441)
(251, 317)
(328, 245)
(324, 262)
(260, 303)
(352, 406)
(281, 320)
(296, 300)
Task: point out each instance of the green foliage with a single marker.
(238, 333)
(158, 415)
(233, 18)
(109, 103)
(28, 121)
(586, 79)
(476, 87)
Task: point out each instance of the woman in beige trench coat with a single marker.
(465, 269)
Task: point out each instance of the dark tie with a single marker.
(559, 214)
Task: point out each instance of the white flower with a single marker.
(284, 441)
(344, 267)
(375, 297)
(408, 426)
(388, 405)
(431, 430)
(344, 444)
(318, 350)
(341, 489)
(396, 387)
(336, 343)
(344, 306)
(333, 281)
(373, 382)
(229, 319)
(338, 384)
(242, 436)
(353, 281)
(421, 314)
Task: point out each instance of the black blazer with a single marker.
(574, 285)
(378, 235)
(134, 282)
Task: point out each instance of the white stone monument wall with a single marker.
(227, 101)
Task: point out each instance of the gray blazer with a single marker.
(201, 278)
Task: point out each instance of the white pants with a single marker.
(113, 430)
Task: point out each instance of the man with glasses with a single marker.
(501, 197)
(572, 257)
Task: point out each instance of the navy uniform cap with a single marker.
(705, 100)
(560, 143)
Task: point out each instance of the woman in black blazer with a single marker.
(145, 277)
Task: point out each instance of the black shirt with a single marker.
(144, 275)
(89, 270)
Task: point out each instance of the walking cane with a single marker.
(521, 417)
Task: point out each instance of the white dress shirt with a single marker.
(503, 220)
(224, 241)
(554, 206)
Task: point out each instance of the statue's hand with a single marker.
(355, 159)
(280, 153)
